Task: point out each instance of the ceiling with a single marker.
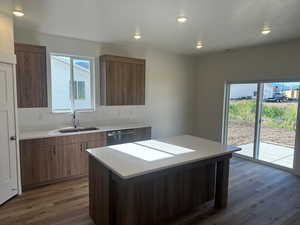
(220, 24)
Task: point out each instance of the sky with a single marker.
(287, 85)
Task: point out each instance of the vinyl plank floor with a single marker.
(258, 195)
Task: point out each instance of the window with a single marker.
(79, 90)
(72, 83)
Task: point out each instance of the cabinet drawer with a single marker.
(79, 138)
(34, 143)
(96, 144)
(97, 136)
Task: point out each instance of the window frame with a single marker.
(77, 89)
(92, 80)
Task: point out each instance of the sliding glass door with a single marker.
(241, 117)
(278, 123)
(261, 118)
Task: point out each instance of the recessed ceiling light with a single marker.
(137, 36)
(199, 45)
(266, 30)
(18, 13)
(182, 19)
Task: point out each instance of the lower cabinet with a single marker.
(49, 160)
(37, 162)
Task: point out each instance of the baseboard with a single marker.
(45, 183)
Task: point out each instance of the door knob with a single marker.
(13, 138)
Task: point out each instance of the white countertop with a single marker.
(46, 133)
(135, 159)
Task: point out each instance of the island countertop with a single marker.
(139, 158)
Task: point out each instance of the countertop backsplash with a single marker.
(43, 118)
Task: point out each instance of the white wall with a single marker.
(6, 31)
(6, 38)
(169, 87)
(278, 61)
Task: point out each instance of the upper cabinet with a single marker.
(31, 76)
(122, 80)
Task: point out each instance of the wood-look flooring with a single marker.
(258, 195)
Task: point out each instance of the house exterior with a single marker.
(292, 94)
(60, 69)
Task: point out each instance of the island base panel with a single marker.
(159, 197)
(222, 179)
(99, 199)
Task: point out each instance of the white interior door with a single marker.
(8, 147)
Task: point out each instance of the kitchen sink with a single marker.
(80, 129)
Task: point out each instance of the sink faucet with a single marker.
(75, 121)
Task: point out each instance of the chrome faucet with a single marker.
(75, 121)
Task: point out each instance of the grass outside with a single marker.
(274, 115)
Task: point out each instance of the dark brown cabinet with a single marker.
(37, 161)
(49, 160)
(122, 80)
(31, 73)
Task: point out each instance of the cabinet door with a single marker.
(135, 82)
(84, 154)
(49, 160)
(68, 160)
(36, 162)
(122, 80)
(31, 76)
(117, 78)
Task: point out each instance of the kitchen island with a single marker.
(152, 182)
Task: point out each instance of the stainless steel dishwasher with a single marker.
(121, 136)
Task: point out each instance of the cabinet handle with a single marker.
(83, 147)
(54, 150)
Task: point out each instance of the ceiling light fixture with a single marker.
(266, 30)
(18, 13)
(199, 45)
(137, 36)
(182, 19)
